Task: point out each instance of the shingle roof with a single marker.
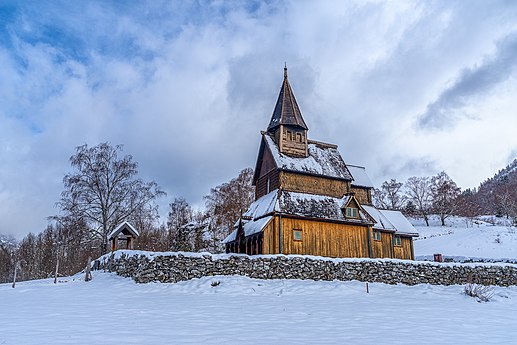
(286, 110)
(323, 159)
(316, 206)
(298, 204)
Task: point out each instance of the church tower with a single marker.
(287, 125)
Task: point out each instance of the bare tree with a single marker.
(8, 247)
(445, 192)
(226, 203)
(506, 198)
(467, 206)
(105, 190)
(418, 191)
(180, 214)
(390, 195)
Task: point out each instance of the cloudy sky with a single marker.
(405, 88)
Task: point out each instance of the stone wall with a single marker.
(146, 267)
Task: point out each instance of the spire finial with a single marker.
(285, 70)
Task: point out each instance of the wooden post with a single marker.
(370, 251)
(88, 276)
(15, 271)
(280, 235)
(57, 268)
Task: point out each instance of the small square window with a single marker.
(297, 234)
(377, 235)
(351, 212)
(397, 241)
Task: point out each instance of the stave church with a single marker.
(309, 201)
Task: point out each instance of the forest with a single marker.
(105, 190)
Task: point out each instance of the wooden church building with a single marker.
(309, 201)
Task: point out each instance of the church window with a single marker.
(351, 212)
(289, 136)
(397, 241)
(377, 235)
(299, 137)
(297, 234)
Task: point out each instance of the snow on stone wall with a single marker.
(146, 267)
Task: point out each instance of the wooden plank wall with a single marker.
(291, 146)
(313, 184)
(383, 248)
(318, 238)
(363, 195)
(403, 251)
(261, 187)
(270, 238)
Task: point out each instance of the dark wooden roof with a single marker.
(323, 160)
(286, 110)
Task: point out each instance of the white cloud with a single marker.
(187, 88)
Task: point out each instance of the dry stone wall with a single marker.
(146, 267)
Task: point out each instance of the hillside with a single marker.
(495, 195)
(239, 310)
(462, 238)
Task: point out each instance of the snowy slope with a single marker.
(481, 240)
(115, 310)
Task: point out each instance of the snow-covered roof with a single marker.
(400, 222)
(361, 179)
(316, 206)
(381, 222)
(391, 220)
(323, 159)
(250, 227)
(121, 227)
(264, 205)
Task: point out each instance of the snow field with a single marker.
(114, 310)
(481, 240)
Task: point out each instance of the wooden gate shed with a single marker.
(125, 235)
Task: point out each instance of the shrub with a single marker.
(481, 292)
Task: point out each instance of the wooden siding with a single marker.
(318, 238)
(404, 251)
(270, 239)
(294, 142)
(267, 162)
(331, 240)
(267, 170)
(384, 247)
(313, 184)
(363, 195)
(261, 187)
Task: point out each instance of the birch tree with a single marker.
(104, 190)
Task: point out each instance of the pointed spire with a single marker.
(286, 110)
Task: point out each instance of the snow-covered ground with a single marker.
(115, 310)
(481, 240)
